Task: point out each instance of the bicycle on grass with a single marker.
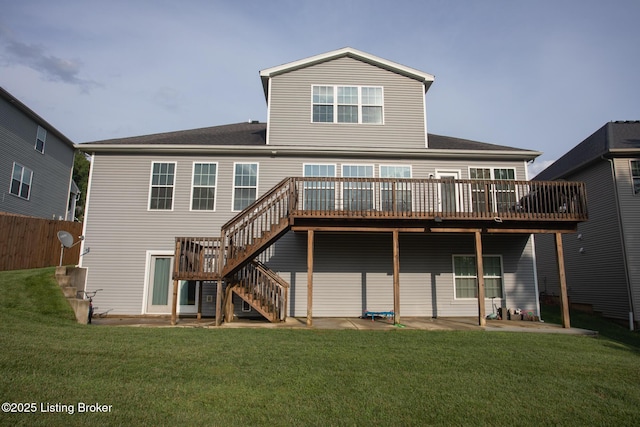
(89, 296)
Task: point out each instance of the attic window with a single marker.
(347, 104)
(635, 176)
(41, 138)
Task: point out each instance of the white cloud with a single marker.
(538, 166)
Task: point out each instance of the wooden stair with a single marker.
(261, 288)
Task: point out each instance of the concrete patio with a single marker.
(415, 323)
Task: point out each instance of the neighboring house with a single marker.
(36, 163)
(341, 203)
(603, 258)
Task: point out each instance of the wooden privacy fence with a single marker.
(28, 242)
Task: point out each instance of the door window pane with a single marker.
(161, 271)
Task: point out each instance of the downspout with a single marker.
(534, 260)
(624, 248)
(86, 208)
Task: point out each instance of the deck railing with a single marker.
(196, 258)
(445, 198)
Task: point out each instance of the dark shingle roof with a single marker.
(610, 137)
(450, 143)
(248, 133)
(254, 133)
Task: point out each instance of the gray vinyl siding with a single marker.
(290, 108)
(120, 229)
(596, 275)
(630, 216)
(354, 273)
(51, 171)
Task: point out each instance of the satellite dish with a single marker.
(65, 238)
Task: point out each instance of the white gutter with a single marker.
(273, 150)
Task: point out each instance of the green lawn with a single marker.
(253, 377)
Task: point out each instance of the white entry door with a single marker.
(160, 288)
(448, 194)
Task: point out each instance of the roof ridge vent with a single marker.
(254, 122)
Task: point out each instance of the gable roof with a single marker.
(250, 138)
(349, 52)
(612, 139)
(35, 117)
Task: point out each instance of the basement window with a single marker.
(466, 278)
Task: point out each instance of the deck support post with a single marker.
(480, 273)
(174, 303)
(396, 278)
(199, 289)
(564, 300)
(310, 277)
(219, 301)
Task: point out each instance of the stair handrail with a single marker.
(268, 296)
(256, 221)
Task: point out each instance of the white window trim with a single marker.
(233, 185)
(44, 140)
(215, 187)
(360, 105)
(373, 169)
(381, 165)
(374, 202)
(413, 195)
(147, 273)
(491, 169)
(173, 197)
(24, 168)
(633, 192)
(335, 174)
(494, 200)
(453, 274)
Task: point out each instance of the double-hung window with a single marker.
(347, 104)
(495, 196)
(21, 181)
(635, 176)
(320, 194)
(357, 195)
(466, 277)
(162, 185)
(395, 198)
(204, 186)
(41, 139)
(245, 185)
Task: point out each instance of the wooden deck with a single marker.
(376, 204)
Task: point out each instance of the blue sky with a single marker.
(541, 75)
